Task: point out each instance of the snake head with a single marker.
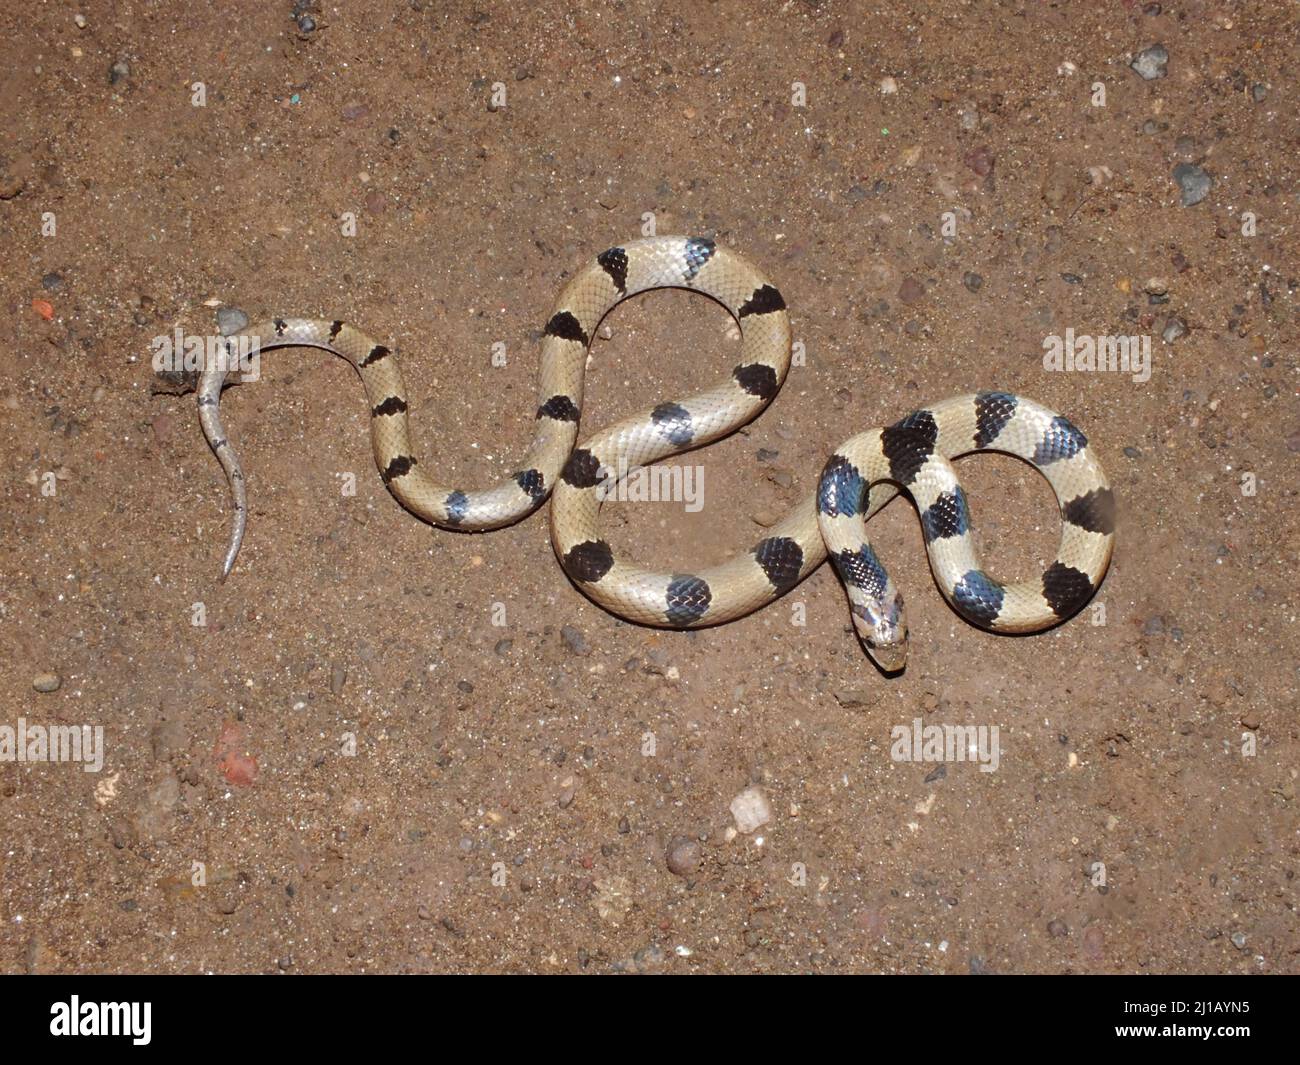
(882, 627)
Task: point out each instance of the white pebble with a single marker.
(888, 86)
(751, 810)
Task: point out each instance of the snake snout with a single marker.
(889, 657)
(882, 628)
(887, 646)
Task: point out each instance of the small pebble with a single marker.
(1132, 453)
(52, 282)
(1150, 62)
(648, 959)
(230, 320)
(979, 160)
(972, 280)
(1174, 328)
(47, 682)
(683, 856)
(1194, 182)
(751, 810)
(119, 71)
(1239, 940)
(1056, 928)
(911, 290)
(574, 640)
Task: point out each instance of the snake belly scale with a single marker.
(858, 479)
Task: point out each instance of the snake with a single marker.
(912, 456)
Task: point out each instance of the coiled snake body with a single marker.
(858, 479)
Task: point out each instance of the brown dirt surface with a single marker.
(374, 749)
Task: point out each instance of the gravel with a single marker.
(751, 810)
(683, 856)
(230, 320)
(1194, 183)
(47, 682)
(1150, 62)
(575, 640)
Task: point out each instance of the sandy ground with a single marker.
(374, 748)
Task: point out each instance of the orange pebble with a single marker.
(44, 308)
